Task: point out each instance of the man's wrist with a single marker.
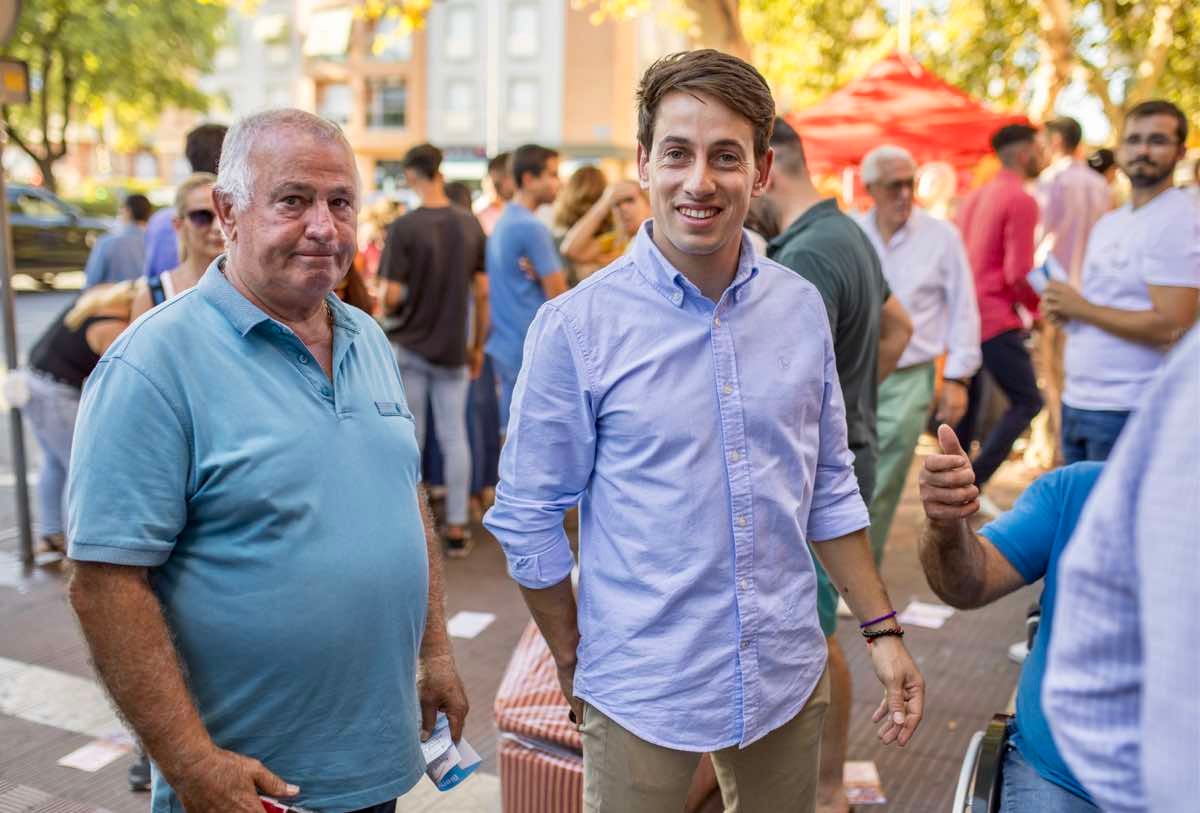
(962, 382)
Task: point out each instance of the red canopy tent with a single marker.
(898, 102)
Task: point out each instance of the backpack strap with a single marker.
(157, 294)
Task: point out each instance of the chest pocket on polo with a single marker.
(389, 409)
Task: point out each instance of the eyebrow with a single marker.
(291, 187)
(724, 143)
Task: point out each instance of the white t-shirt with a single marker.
(1129, 250)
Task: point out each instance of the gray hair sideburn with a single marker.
(871, 168)
(235, 173)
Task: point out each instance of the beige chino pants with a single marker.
(623, 773)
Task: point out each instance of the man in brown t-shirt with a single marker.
(432, 268)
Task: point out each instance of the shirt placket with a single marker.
(304, 361)
(737, 467)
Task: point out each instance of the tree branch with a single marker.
(13, 136)
(1154, 57)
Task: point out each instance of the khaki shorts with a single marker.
(623, 773)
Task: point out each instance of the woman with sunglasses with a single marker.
(200, 242)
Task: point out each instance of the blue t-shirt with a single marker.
(513, 297)
(162, 245)
(1032, 537)
(278, 513)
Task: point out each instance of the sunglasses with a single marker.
(201, 218)
(895, 186)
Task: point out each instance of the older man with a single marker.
(688, 395)
(256, 576)
(926, 266)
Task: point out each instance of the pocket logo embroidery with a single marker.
(392, 409)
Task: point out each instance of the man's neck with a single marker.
(526, 198)
(711, 273)
(308, 320)
(887, 230)
(794, 205)
(432, 195)
(1139, 197)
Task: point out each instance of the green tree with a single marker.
(96, 60)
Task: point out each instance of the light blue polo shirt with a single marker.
(279, 514)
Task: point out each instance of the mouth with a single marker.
(699, 215)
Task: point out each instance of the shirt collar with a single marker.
(243, 314)
(670, 281)
(818, 211)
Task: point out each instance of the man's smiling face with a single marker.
(700, 173)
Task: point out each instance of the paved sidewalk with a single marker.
(50, 705)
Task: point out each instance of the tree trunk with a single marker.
(1056, 57)
(720, 27)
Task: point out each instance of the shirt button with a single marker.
(676, 297)
(734, 456)
(741, 521)
(727, 389)
(745, 643)
(717, 321)
(303, 359)
(326, 391)
(741, 584)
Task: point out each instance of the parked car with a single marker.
(50, 236)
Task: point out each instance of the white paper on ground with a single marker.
(861, 780)
(468, 624)
(925, 614)
(95, 755)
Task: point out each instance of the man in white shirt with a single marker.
(926, 265)
(1140, 279)
(1071, 197)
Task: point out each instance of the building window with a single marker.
(523, 30)
(329, 33)
(389, 100)
(460, 106)
(335, 100)
(389, 176)
(522, 105)
(460, 32)
(391, 43)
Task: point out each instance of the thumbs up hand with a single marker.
(947, 481)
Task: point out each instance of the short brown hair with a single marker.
(1161, 107)
(732, 81)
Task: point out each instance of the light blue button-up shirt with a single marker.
(278, 511)
(706, 444)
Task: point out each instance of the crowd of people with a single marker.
(715, 363)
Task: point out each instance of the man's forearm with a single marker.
(434, 640)
(848, 561)
(131, 648)
(954, 563)
(554, 611)
(483, 318)
(1145, 327)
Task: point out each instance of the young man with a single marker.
(870, 330)
(523, 267)
(432, 268)
(687, 397)
(119, 256)
(1140, 281)
(998, 222)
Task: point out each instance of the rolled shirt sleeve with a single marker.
(548, 456)
(963, 357)
(130, 470)
(837, 507)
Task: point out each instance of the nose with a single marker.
(319, 225)
(699, 183)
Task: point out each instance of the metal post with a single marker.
(15, 429)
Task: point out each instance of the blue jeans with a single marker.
(1023, 790)
(445, 388)
(1089, 434)
(506, 377)
(51, 413)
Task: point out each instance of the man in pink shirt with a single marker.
(998, 221)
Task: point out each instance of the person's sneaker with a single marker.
(139, 774)
(458, 547)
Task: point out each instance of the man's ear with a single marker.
(226, 215)
(762, 173)
(643, 161)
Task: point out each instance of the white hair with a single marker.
(235, 173)
(871, 168)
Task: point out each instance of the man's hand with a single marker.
(904, 691)
(952, 403)
(1062, 303)
(947, 481)
(475, 361)
(526, 266)
(566, 681)
(440, 689)
(225, 782)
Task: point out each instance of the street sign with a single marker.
(14, 81)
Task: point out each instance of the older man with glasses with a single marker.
(1141, 273)
(926, 266)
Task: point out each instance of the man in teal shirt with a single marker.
(244, 510)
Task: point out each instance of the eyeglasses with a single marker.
(895, 186)
(201, 218)
(1155, 140)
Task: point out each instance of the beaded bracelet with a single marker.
(892, 614)
(883, 633)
